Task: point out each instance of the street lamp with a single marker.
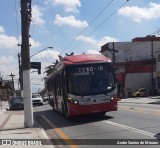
(40, 51)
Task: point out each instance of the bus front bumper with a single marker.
(75, 109)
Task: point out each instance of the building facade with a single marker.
(137, 64)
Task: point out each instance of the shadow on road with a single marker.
(60, 121)
(157, 103)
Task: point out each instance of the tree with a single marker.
(49, 69)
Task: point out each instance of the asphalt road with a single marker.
(131, 124)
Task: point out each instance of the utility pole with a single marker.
(25, 56)
(111, 50)
(113, 53)
(114, 58)
(152, 64)
(12, 75)
(20, 73)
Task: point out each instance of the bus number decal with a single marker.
(90, 69)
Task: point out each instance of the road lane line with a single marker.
(65, 137)
(61, 133)
(131, 129)
(5, 122)
(2, 112)
(141, 110)
(148, 109)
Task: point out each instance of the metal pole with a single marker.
(40, 51)
(25, 55)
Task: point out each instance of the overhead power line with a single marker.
(89, 24)
(35, 17)
(107, 18)
(103, 22)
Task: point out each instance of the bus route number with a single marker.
(90, 69)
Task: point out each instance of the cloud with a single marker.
(37, 16)
(8, 42)
(8, 65)
(86, 39)
(71, 21)
(2, 29)
(6, 60)
(96, 42)
(48, 54)
(139, 14)
(69, 5)
(34, 43)
(106, 39)
(90, 51)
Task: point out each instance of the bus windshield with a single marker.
(90, 79)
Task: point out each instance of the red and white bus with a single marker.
(83, 84)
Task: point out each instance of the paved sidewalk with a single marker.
(142, 100)
(3, 106)
(12, 129)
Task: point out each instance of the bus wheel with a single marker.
(138, 95)
(102, 113)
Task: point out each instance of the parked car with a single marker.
(16, 103)
(45, 97)
(37, 99)
(142, 92)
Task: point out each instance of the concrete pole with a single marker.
(152, 65)
(25, 56)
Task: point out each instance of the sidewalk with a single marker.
(142, 100)
(15, 134)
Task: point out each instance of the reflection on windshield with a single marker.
(35, 96)
(91, 82)
(17, 99)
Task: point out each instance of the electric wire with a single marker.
(102, 23)
(35, 17)
(17, 30)
(108, 4)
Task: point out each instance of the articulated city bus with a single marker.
(83, 84)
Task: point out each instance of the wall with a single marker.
(133, 51)
(134, 81)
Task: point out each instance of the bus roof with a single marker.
(85, 58)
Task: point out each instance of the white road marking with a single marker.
(2, 111)
(131, 129)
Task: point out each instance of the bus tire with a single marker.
(138, 95)
(102, 113)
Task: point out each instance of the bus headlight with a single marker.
(76, 102)
(113, 98)
(71, 100)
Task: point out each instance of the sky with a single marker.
(79, 26)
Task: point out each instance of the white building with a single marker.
(137, 63)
